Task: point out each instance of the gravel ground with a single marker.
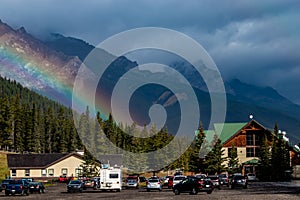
(262, 191)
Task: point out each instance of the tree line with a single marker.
(30, 122)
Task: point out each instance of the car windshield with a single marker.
(251, 174)
(75, 182)
(179, 178)
(222, 175)
(213, 177)
(153, 180)
(239, 177)
(132, 180)
(7, 181)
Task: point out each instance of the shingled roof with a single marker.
(26, 161)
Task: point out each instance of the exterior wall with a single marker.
(20, 173)
(71, 164)
(296, 172)
(239, 140)
(241, 153)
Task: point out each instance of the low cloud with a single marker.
(256, 41)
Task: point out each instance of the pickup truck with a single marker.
(17, 187)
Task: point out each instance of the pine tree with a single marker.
(264, 160)
(89, 167)
(280, 159)
(214, 159)
(195, 162)
(5, 123)
(233, 161)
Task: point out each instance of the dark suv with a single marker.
(193, 185)
(238, 181)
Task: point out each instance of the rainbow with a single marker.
(37, 74)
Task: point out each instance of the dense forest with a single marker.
(30, 122)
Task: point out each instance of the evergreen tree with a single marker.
(214, 159)
(264, 160)
(280, 160)
(5, 123)
(233, 161)
(195, 162)
(89, 167)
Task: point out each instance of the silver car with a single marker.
(178, 179)
(154, 184)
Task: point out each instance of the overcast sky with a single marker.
(257, 41)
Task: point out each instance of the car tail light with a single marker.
(21, 186)
(37, 186)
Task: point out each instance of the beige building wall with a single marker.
(241, 153)
(70, 163)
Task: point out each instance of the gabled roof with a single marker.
(37, 161)
(226, 130)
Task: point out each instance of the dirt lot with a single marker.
(272, 191)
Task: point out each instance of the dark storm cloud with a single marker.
(256, 41)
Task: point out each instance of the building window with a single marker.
(252, 152)
(44, 172)
(50, 172)
(249, 139)
(27, 172)
(64, 171)
(13, 172)
(78, 171)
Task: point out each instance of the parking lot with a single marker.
(256, 190)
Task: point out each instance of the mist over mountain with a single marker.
(50, 68)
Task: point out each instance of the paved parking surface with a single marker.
(264, 191)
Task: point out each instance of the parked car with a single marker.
(132, 182)
(154, 183)
(170, 182)
(216, 181)
(223, 179)
(17, 187)
(63, 179)
(36, 187)
(193, 185)
(238, 181)
(142, 179)
(166, 179)
(251, 177)
(5, 183)
(200, 175)
(88, 183)
(178, 179)
(75, 186)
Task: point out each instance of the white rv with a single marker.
(110, 178)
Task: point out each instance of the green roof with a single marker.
(226, 130)
(209, 135)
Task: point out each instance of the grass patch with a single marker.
(4, 172)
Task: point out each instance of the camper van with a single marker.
(110, 178)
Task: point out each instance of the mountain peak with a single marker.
(22, 30)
